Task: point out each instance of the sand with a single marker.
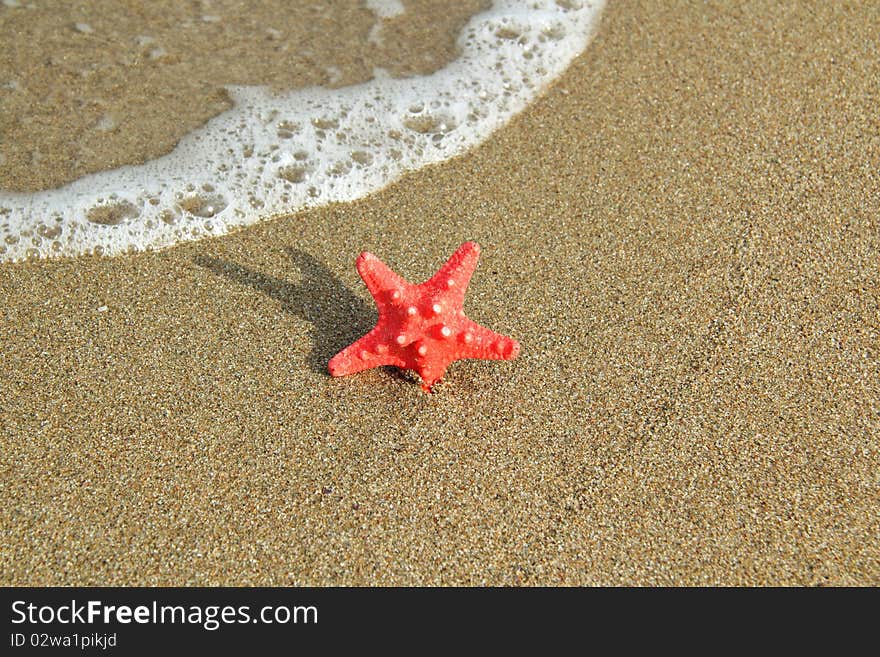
(89, 85)
(682, 233)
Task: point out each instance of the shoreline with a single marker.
(274, 153)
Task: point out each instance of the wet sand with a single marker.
(684, 236)
(88, 85)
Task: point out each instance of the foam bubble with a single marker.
(278, 153)
(386, 8)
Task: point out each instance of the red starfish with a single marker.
(422, 327)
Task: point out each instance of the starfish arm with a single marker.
(479, 342)
(453, 277)
(362, 355)
(378, 276)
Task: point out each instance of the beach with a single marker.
(683, 234)
(103, 83)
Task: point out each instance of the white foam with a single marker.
(386, 8)
(278, 153)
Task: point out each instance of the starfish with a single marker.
(422, 327)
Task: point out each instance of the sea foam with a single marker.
(276, 153)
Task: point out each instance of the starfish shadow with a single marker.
(337, 315)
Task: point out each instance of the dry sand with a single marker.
(683, 234)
